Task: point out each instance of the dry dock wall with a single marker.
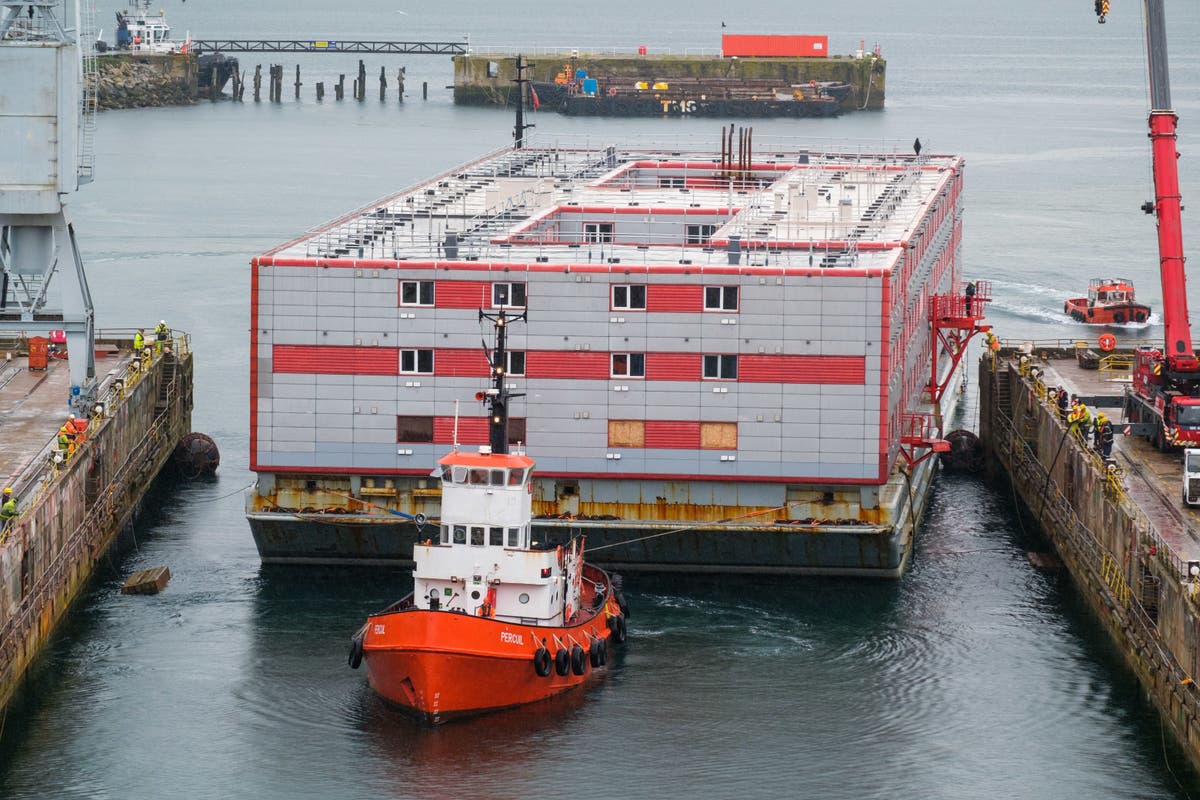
(71, 515)
(473, 86)
(1132, 581)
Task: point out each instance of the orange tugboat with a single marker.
(495, 619)
(1109, 302)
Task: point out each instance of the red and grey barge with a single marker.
(742, 360)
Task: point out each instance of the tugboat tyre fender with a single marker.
(541, 662)
(596, 653)
(356, 652)
(578, 660)
(562, 662)
(620, 598)
(1140, 316)
(1118, 316)
(617, 626)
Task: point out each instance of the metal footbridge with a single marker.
(201, 46)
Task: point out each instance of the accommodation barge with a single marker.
(727, 364)
(1118, 525)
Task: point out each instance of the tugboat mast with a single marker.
(498, 396)
(521, 126)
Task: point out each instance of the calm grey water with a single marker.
(975, 676)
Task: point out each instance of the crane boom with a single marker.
(1180, 356)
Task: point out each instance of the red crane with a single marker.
(1165, 382)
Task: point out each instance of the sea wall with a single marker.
(473, 86)
(70, 515)
(143, 80)
(1133, 582)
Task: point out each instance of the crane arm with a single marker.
(1167, 205)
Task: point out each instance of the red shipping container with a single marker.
(39, 352)
(746, 45)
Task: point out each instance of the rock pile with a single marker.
(129, 83)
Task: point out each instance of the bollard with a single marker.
(424, 90)
(382, 84)
(320, 90)
(298, 84)
(258, 83)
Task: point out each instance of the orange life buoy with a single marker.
(1108, 342)
(612, 91)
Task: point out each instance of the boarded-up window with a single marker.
(718, 435)
(414, 429)
(516, 430)
(626, 433)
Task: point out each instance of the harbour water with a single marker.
(974, 676)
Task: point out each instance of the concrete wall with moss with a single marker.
(867, 75)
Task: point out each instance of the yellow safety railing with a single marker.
(1115, 578)
(1116, 367)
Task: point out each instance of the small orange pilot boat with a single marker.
(1109, 302)
(495, 619)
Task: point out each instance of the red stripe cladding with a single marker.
(567, 364)
(673, 366)
(471, 430)
(335, 360)
(463, 294)
(674, 298)
(461, 363)
(672, 434)
(802, 369)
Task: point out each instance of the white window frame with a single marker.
(629, 300)
(723, 299)
(629, 365)
(508, 365)
(420, 286)
(699, 232)
(509, 288)
(415, 366)
(599, 232)
(721, 362)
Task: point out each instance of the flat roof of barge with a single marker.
(785, 206)
(33, 406)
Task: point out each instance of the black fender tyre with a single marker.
(541, 662)
(1118, 316)
(1141, 316)
(617, 626)
(356, 652)
(562, 662)
(594, 653)
(620, 598)
(578, 660)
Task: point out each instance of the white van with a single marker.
(1191, 476)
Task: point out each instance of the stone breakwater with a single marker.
(146, 80)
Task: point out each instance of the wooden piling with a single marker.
(339, 91)
(298, 84)
(400, 83)
(362, 81)
(258, 83)
(382, 84)
(320, 90)
(424, 90)
(212, 83)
